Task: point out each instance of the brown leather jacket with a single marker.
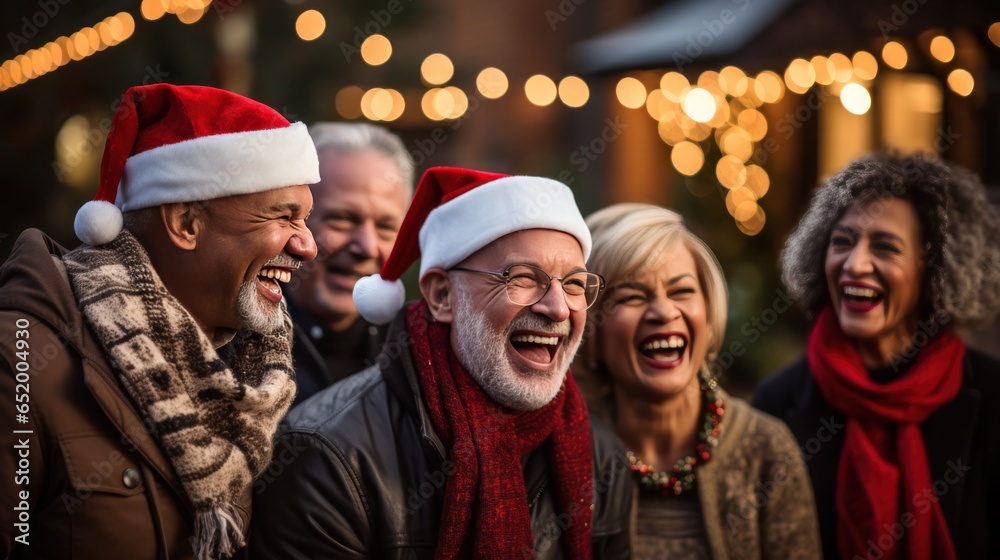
(88, 481)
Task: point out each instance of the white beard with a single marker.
(258, 315)
(484, 354)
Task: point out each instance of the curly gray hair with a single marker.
(959, 229)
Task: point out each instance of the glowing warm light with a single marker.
(152, 10)
(994, 33)
(436, 69)
(398, 105)
(451, 102)
(856, 98)
(128, 25)
(492, 83)
(824, 70)
(768, 87)
(800, 75)
(82, 44)
(630, 92)
(745, 211)
(942, 48)
(104, 31)
(736, 142)
(753, 225)
(367, 101)
(192, 15)
(865, 65)
(694, 130)
(60, 50)
(722, 111)
(348, 102)
(842, 68)
(961, 82)
(309, 25)
(573, 91)
(427, 105)
(730, 172)
(657, 105)
(754, 123)
(710, 80)
(673, 85)
(14, 70)
(687, 158)
(733, 81)
(670, 129)
(894, 55)
(757, 180)
(381, 104)
(699, 104)
(376, 49)
(94, 38)
(541, 90)
(736, 197)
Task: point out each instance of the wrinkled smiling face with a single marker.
(359, 206)
(874, 270)
(253, 244)
(519, 355)
(655, 335)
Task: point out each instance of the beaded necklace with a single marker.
(680, 478)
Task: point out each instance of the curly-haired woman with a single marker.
(898, 419)
(714, 478)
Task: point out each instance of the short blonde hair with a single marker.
(632, 239)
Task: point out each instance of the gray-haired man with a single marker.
(366, 181)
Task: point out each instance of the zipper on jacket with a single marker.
(534, 500)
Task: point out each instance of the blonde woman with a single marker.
(713, 477)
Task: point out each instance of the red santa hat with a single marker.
(454, 213)
(186, 143)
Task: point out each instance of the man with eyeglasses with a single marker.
(468, 439)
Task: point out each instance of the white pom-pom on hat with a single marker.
(98, 222)
(378, 300)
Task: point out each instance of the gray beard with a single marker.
(484, 355)
(257, 314)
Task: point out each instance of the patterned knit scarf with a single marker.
(883, 466)
(215, 424)
(486, 512)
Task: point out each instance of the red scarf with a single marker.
(884, 463)
(485, 502)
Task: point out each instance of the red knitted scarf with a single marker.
(485, 502)
(883, 467)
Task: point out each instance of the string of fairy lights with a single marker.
(720, 109)
(88, 41)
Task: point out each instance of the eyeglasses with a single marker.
(527, 285)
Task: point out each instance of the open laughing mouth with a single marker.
(269, 281)
(860, 297)
(663, 350)
(538, 348)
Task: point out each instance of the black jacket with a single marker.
(962, 440)
(358, 472)
(355, 350)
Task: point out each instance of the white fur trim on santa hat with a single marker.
(97, 222)
(469, 222)
(378, 300)
(216, 166)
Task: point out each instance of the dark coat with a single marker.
(358, 472)
(962, 440)
(97, 486)
(311, 371)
